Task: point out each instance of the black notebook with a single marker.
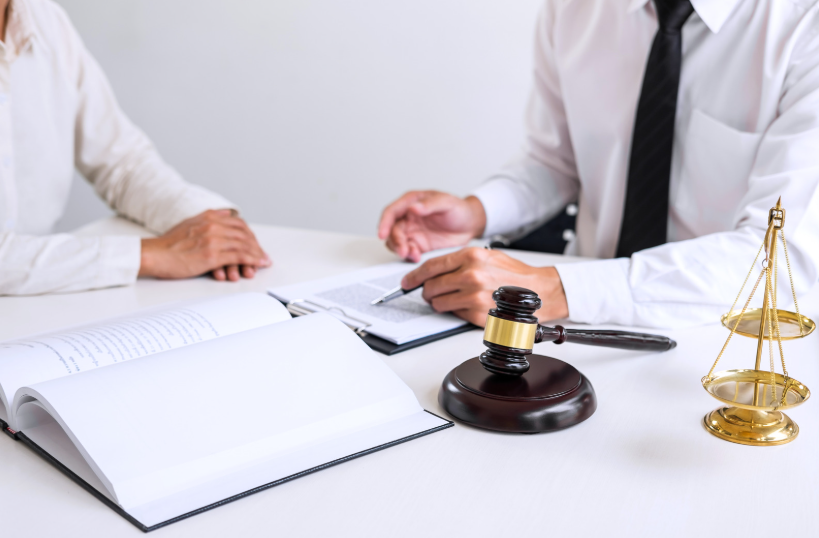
(392, 327)
(237, 398)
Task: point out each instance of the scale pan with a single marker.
(736, 388)
(788, 323)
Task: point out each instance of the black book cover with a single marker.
(388, 348)
(21, 436)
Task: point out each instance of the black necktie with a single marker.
(645, 216)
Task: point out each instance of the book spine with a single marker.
(7, 430)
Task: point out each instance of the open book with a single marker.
(177, 409)
(400, 324)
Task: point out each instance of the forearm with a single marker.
(523, 195)
(120, 161)
(34, 265)
(675, 285)
(144, 188)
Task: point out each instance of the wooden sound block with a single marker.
(551, 395)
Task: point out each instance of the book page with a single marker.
(348, 297)
(157, 427)
(79, 349)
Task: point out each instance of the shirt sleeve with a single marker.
(693, 282)
(120, 161)
(63, 263)
(538, 183)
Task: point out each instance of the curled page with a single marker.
(80, 349)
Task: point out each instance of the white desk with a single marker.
(643, 465)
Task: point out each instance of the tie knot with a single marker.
(672, 14)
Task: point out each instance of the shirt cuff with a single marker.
(120, 258)
(598, 291)
(500, 205)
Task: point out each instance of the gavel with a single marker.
(510, 389)
(512, 330)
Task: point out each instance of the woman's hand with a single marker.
(216, 242)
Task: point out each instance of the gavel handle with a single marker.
(615, 339)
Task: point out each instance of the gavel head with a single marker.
(510, 331)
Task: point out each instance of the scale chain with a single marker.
(739, 319)
(758, 252)
(769, 293)
(776, 315)
(790, 276)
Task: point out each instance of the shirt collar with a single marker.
(19, 28)
(713, 13)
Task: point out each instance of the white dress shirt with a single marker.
(747, 132)
(58, 113)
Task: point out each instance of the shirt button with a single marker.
(568, 235)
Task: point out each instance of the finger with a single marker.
(443, 284)
(395, 211)
(219, 274)
(233, 273)
(248, 271)
(434, 267)
(212, 214)
(253, 244)
(390, 244)
(398, 239)
(475, 317)
(238, 223)
(434, 202)
(228, 238)
(235, 257)
(229, 226)
(414, 252)
(459, 300)
(220, 228)
(221, 253)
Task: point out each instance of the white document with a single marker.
(168, 433)
(348, 297)
(79, 349)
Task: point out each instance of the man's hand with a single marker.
(463, 282)
(216, 242)
(421, 221)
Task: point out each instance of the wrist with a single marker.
(147, 257)
(550, 290)
(477, 215)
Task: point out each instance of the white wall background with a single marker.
(316, 113)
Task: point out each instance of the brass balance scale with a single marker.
(756, 398)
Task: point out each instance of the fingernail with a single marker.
(265, 262)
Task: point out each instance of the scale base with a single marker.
(750, 427)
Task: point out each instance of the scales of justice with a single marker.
(755, 398)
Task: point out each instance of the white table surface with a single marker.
(642, 465)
